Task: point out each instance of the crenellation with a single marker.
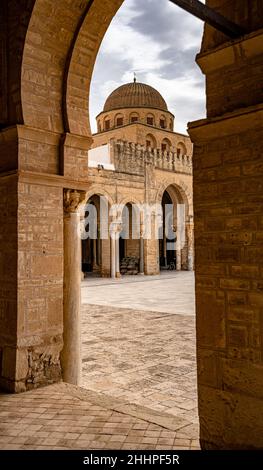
(130, 157)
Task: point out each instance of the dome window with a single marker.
(107, 125)
(150, 121)
(163, 123)
(119, 121)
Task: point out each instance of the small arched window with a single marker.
(106, 125)
(118, 120)
(150, 120)
(163, 124)
(150, 141)
(166, 145)
(134, 117)
(181, 149)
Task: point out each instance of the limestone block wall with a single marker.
(132, 248)
(228, 196)
(247, 14)
(138, 133)
(40, 285)
(38, 150)
(8, 278)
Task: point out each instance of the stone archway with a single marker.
(181, 247)
(44, 140)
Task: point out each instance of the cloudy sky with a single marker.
(158, 41)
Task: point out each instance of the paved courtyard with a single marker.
(170, 292)
(66, 417)
(144, 354)
(139, 376)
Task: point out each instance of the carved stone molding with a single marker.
(73, 200)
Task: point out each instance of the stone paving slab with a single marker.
(140, 357)
(139, 374)
(61, 417)
(170, 292)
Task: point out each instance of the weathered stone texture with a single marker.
(50, 54)
(247, 14)
(40, 282)
(8, 275)
(228, 195)
(38, 151)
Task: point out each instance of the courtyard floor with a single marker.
(139, 342)
(139, 374)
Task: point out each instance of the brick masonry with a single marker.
(227, 207)
(51, 59)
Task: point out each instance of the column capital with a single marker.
(115, 228)
(73, 199)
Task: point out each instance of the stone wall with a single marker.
(8, 278)
(50, 52)
(40, 284)
(228, 196)
(139, 133)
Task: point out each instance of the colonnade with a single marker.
(73, 199)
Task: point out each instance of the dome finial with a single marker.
(134, 78)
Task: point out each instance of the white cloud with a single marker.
(141, 51)
(153, 51)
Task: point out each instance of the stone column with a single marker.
(71, 353)
(117, 253)
(81, 254)
(94, 241)
(113, 254)
(178, 252)
(164, 250)
(99, 248)
(141, 255)
(190, 237)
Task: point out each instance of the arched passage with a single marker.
(129, 240)
(95, 244)
(173, 237)
(91, 244)
(49, 94)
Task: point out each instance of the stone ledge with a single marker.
(228, 124)
(173, 423)
(229, 54)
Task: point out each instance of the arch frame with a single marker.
(234, 121)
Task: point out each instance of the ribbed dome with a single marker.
(134, 95)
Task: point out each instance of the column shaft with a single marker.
(141, 255)
(71, 354)
(113, 256)
(117, 254)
